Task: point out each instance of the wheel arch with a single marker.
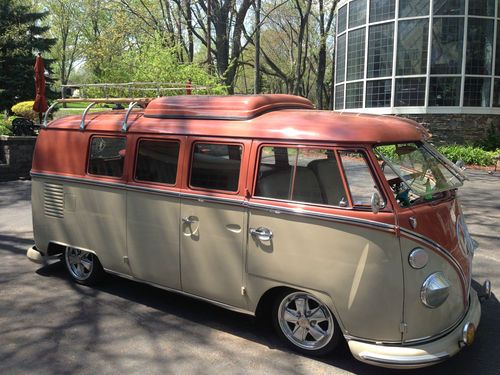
(265, 304)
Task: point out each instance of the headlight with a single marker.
(435, 290)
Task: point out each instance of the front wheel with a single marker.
(82, 266)
(305, 323)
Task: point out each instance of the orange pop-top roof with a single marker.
(234, 107)
(252, 116)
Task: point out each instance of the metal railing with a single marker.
(132, 93)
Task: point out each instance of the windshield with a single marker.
(416, 173)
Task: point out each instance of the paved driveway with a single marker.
(49, 325)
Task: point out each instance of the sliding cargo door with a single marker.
(213, 224)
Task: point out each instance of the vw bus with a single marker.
(335, 226)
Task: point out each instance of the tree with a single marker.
(325, 25)
(227, 19)
(66, 28)
(21, 36)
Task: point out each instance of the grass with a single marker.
(84, 105)
(75, 111)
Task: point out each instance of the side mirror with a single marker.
(376, 203)
(460, 164)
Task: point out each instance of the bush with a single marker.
(492, 140)
(5, 125)
(469, 154)
(25, 109)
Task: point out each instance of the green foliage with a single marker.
(492, 140)
(388, 151)
(25, 109)
(156, 63)
(5, 124)
(469, 154)
(21, 36)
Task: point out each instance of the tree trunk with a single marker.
(189, 21)
(320, 76)
(257, 80)
(304, 17)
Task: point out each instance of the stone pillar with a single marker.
(16, 154)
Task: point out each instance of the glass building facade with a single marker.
(418, 56)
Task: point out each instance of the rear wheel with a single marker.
(305, 323)
(82, 266)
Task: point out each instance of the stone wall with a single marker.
(16, 154)
(457, 128)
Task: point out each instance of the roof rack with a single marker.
(131, 89)
(133, 102)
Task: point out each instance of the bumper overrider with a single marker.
(425, 354)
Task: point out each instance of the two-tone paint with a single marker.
(198, 242)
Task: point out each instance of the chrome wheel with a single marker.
(80, 263)
(305, 321)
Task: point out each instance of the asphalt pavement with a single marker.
(49, 325)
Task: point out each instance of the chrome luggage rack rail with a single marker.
(131, 88)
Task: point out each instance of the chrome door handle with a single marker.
(187, 220)
(261, 233)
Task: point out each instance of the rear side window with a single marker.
(216, 166)
(106, 156)
(157, 161)
(309, 175)
(359, 178)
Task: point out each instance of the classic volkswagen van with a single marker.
(335, 226)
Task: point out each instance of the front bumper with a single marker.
(419, 355)
(38, 257)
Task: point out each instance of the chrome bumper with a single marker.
(423, 355)
(36, 256)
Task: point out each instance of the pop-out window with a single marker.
(309, 175)
(106, 156)
(157, 161)
(359, 178)
(216, 166)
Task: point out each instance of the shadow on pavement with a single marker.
(482, 354)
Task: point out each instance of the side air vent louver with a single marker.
(53, 200)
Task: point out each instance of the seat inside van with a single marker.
(319, 182)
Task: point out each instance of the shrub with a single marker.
(492, 140)
(5, 125)
(469, 154)
(25, 109)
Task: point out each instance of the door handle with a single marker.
(261, 233)
(187, 220)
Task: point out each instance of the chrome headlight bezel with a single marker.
(435, 290)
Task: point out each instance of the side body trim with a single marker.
(230, 201)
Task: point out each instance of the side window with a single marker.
(157, 161)
(359, 178)
(308, 175)
(106, 156)
(216, 166)
(275, 172)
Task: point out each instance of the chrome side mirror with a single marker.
(376, 203)
(460, 164)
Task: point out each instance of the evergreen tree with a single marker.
(21, 37)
